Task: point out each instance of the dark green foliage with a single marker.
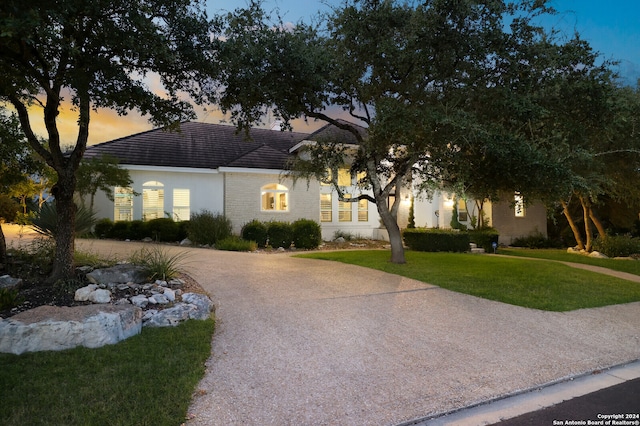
(9, 208)
(103, 227)
(183, 229)
(255, 231)
(485, 238)
(455, 223)
(617, 245)
(412, 217)
(234, 243)
(280, 234)
(535, 240)
(421, 239)
(9, 298)
(119, 231)
(208, 228)
(163, 229)
(45, 221)
(137, 230)
(306, 234)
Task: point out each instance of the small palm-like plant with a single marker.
(158, 263)
(45, 221)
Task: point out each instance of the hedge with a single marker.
(422, 239)
(485, 238)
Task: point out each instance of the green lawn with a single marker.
(147, 379)
(630, 266)
(534, 284)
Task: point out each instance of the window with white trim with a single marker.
(181, 204)
(344, 210)
(363, 210)
(274, 197)
(122, 204)
(152, 200)
(326, 213)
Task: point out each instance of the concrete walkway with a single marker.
(307, 342)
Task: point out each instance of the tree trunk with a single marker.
(586, 208)
(572, 224)
(395, 236)
(3, 246)
(598, 224)
(63, 267)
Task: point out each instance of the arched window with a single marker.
(152, 200)
(274, 197)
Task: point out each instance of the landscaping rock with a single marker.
(170, 294)
(203, 304)
(159, 299)
(84, 293)
(9, 283)
(57, 328)
(140, 301)
(172, 316)
(123, 273)
(100, 296)
(598, 255)
(185, 242)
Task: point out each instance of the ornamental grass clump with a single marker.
(158, 263)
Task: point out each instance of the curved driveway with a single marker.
(307, 342)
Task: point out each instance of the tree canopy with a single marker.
(98, 54)
(450, 93)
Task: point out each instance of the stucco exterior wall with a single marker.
(511, 227)
(205, 190)
(242, 199)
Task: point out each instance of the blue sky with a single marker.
(611, 27)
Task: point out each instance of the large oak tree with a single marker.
(97, 54)
(432, 83)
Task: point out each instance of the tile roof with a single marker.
(202, 145)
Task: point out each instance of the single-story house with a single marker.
(212, 167)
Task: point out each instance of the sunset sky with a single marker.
(612, 28)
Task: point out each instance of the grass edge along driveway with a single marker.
(535, 284)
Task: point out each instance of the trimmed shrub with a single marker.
(163, 229)
(255, 231)
(280, 234)
(422, 239)
(208, 228)
(102, 229)
(617, 245)
(535, 240)
(138, 230)
(119, 230)
(183, 229)
(306, 234)
(485, 238)
(234, 243)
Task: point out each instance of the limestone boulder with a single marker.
(202, 302)
(123, 273)
(170, 317)
(52, 328)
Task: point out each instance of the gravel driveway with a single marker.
(309, 342)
